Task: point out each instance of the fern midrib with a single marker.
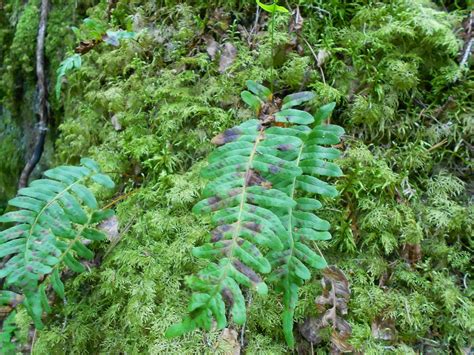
(218, 286)
(43, 209)
(70, 246)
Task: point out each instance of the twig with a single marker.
(257, 17)
(33, 342)
(437, 145)
(467, 52)
(470, 40)
(121, 197)
(42, 96)
(315, 58)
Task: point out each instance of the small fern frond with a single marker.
(54, 215)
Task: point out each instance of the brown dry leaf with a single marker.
(332, 302)
(212, 46)
(228, 55)
(86, 46)
(228, 342)
(296, 22)
(310, 329)
(411, 253)
(340, 343)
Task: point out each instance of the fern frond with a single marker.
(241, 203)
(256, 175)
(303, 227)
(53, 217)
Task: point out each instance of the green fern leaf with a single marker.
(242, 205)
(259, 221)
(55, 214)
(290, 266)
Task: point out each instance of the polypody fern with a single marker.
(263, 219)
(54, 216)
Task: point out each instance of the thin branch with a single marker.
(316, 59)
(112, 4)
(42, 96)
(437, 145)
(469, 40)
(467, 53)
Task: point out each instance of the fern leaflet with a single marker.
(240, 201)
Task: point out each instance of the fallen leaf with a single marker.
(310, 329)
(110, 227)
(211, 46)
(228, 55)
(332, 302)
(384, 329)
(321, 57)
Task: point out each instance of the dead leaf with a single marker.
(212, 46)
(384, 329)
(321, 57)
(110, 227)
(411, 253)
(333, 302)
(228, 342)
(228, 55)
(310, 329)
(86, 46)
(296, 22)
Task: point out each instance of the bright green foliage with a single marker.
(53, 217)
(256, 175)
(272, 8)
(7, 346)
(302, 225)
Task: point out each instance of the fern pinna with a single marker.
(263, 219)
(53, 217)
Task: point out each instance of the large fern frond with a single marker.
(241, 201)
(260, 220)
(53, 216)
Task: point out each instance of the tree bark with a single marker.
(42, 97)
